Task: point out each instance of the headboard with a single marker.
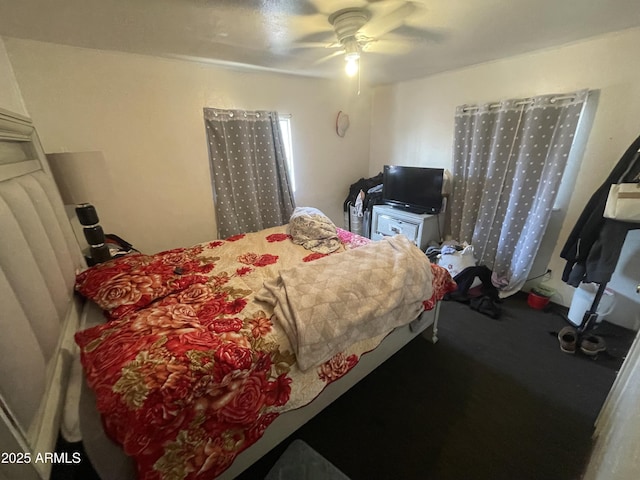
(39, 256)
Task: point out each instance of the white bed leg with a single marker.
(434, 336)
(434, 326)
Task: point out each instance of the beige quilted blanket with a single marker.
(313, 230)
(326, 305)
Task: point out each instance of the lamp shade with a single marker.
(84, 181)
(82, 177)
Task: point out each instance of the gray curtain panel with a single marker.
(251, 185)
(508, 163)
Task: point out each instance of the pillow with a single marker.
(126, 284)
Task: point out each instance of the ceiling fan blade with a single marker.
(314, 45)
(301, 8)
(328, 57)
(310, 28)
(421, 35)
(378, 26)
(389, 47)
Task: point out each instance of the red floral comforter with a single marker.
(189, 381)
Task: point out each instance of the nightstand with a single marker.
(421, 228)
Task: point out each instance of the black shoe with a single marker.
(568, 337)
(592, 345)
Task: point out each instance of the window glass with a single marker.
(285, 127)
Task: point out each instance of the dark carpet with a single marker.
(493, 399)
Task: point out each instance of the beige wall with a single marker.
(10, 98)
(413, 121)
(145, 115)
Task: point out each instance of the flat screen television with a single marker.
(416, 189)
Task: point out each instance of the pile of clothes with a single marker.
(474, 281)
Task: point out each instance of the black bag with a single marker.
(363, 184)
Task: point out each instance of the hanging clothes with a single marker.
(594, 245)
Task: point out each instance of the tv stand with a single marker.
(421, 228)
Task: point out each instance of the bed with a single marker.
(197, 361)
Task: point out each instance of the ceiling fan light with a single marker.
(351, 68)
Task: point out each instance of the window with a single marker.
(249, 169)
(285, 127)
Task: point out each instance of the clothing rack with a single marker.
(591, 316)
(620, 174)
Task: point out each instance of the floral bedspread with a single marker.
(194, 378)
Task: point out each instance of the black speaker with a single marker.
(87, 214)
(94, 235)
(100, 253)
(88, 218)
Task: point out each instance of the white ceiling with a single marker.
(439, 35)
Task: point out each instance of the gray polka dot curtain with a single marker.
(251, 184)
(509, 159)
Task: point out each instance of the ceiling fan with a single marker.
(358, 31)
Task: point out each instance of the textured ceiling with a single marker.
(437, 36)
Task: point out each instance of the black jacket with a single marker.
(593, 247)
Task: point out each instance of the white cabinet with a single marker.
(421, 228)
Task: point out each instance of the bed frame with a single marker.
(38, 261)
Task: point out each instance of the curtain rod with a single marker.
(526, 101)
(248, 114)
(232, 114)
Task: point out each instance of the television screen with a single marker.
(417, 189)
